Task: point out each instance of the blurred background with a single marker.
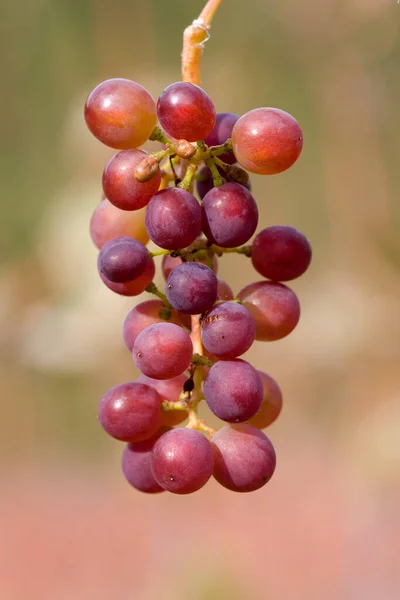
(327, 525)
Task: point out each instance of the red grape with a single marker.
(274, 307)
(192, 288)
(134, 287)
(120, 113)
(136, 464)
(228, 330)
(185, 111)
(109, 222)
(222, 131)
(141, 316)
(267, 140)
(271, 405)
(123, 259)
(224, 291)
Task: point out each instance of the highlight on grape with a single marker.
(193, 199)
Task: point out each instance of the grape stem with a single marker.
(153, 289)
(187, 181)
(194, 38)
(218, 180)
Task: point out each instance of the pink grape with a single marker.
(182, 461)
(123, 259)
(271, 405)
(120, 113)
(274, 307)
(192, 288)
(109, 222)
(120, 185)
(267, 140)
(221, 132)
(228, 330)
(134, 287)
(245, 459)
(136, 464)
(224, 291)
(130, 412)
(162, 351)
(144, 314)
(169, 389)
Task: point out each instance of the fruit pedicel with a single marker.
(187, 342)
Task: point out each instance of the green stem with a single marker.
(223, 149)
(245, 250)
(159, 136)
(217, 179)
(153, 289)
(187, 181)
(198, 359)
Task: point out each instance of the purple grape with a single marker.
(228, 330)
(173, 218)
(230, 215)
(192, 288)
(182, 461)
(169, 389)
(134, 287)
(222, 131)
(141, 316)
(123, 259)
(281, 253)
(245, 459)
(136, 464)
(233, 390)
(162, 351)
(130, 412)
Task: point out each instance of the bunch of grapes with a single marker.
(188, 340)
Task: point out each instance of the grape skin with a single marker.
(173, 218)
(162, 351)
(141, 316)
(192, 288)
(182, 461)
(267, 141)
(123, 259)
(186, 111)
(109, 222)
(120, 186)
(221, 132)
(136, 464)
(233, 390)
(205, 181)
(134, 287)
(230, 215)
(224, 291)
(245, 459)
(271, 405)
(228, 330)
(130, 412)
(281, 253)
(121, 113)
(170, 262)
(274, 307)
(169, 389)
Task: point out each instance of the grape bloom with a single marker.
(192, 198)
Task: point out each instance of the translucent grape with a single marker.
(121, 113)
(224, 291)
(162, 351)
(267, 140)
(182, 461)
(233, 390)
(169, 389)
(136, 464)
(109, 222)
(130, 412)
(173, 218)
(271, 405)
(134, 287)
(245, 459)
(221, 132)
(274, 307)
(228, 330)
(144, 314)
(192, 288)
(230, 215)
(123, 259)
(281, 253)
(186, 111)
(120, 186)
(170, 262)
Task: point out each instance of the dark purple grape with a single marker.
(144, 314)
(134, 287)
(221, 132)
(162, 351)
(123, 259)
(230, 215)
(274, 307)
(173, 218)
(182, 461)
(185, 111)
(233, 390)
(170, 262)
(192, 288)
(136, 464)
(271, 405)
(228, 330)
(281, 253)
(130, 412)
(169, 389)
(245, 459)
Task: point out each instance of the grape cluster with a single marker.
(187, 341)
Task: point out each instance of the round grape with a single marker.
(130, 412)
(144, 314)
(228, 330)
(245, 459)
(109, 222)
(162, 351)
(182, 461)
(120, 186)
(192, 288)
(281, 253)
(123, 259)
(173, 218)
(271, 405)
(121, 113)
(136, 464)
(274, 307)
(221, 132)
(224, 291)
(170, 262)
(230, 215)
(134, 287)
(186, 112)
(267, 141)
(233, 390)
(169, 389)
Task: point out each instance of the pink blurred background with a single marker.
(327, 525)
